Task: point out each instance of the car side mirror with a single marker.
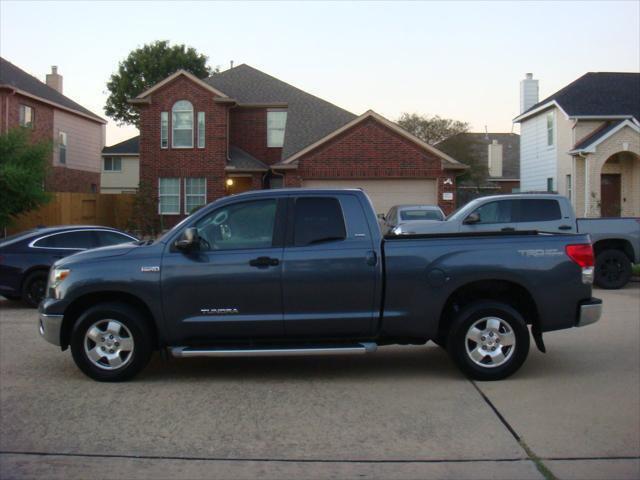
(472, 218)
(382, 217)
(190, 240)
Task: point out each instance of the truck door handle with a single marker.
(264, 262)
(508, 229)
(564, 227)
(372, 258)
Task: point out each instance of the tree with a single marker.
(143, 68)
(23, 169)
(144, 219)
(465, 149)
(431, 129)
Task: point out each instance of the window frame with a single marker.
(173, 123)
(22, 116)
(284, 128)
(160, 195)
(111, 170)
(186, 195)
(201, 129)
(62, 147)
(164, 130)
(550, 130)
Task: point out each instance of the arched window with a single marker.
(182, 124)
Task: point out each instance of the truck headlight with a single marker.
(57, 276)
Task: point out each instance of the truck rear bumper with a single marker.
(590, 312)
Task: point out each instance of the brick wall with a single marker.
(248, 131)
(208, 162)
(10, 115)
(63, 179)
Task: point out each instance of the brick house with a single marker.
(77, 134)
(242, 129)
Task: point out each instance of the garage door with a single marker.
(386, 193)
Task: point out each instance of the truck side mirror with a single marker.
(381, 217)
(190, 240)
(472, 218)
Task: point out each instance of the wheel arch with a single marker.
(620, 244)
(75, 309)
(505, 291)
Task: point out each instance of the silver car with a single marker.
(402, 215)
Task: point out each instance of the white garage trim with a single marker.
(385, 193)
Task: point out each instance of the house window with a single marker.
(164, 129)
(200, 129)
(112, 164)
(550, 118)
(182, 125)
(195, 194)
(169, 196)
(276, 121)
(26, 116)
(550, 184)
(62, 147)
(568, 186)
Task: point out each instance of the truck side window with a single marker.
(538, 210)
(239, 226)
(317, 220)
(495, 212)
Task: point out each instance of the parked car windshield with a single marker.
(422, 214)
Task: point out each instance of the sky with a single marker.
(460, 60)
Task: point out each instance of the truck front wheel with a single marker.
(488, 340)
(111, 342)
(613, 269)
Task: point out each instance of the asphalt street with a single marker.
(403, 412)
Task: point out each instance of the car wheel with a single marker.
(34, 288)
(488, 340)
(13, 298)
(111, 342)
(613, 269)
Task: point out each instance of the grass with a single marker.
(636, 269)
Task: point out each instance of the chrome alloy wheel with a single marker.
(108, 344)
(490, 342)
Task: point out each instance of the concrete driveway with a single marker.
(404, 412)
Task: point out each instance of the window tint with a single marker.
(538, 210)
(239, 226)
(420, 215)
(317, 220)
(111, 238)
(79, 240)
(495, 212)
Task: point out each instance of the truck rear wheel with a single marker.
(613, 269)
(111, 342)
(488, 340)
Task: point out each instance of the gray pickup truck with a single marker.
(307, 272)
(616, 241)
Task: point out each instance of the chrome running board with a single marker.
(364, 347)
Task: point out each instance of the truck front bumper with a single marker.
(50, 320)
(589, 312)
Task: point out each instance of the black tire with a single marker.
(613, 269)
(13, 298)
(34, 288)
(459, 346)
(138, 331)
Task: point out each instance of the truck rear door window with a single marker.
(538, 210)
(495, 212)
(318, 220)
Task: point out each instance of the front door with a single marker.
(231, 286)
(331, 271)
(610, 195)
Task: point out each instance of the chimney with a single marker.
(231, 64)
(528, 92)
(495, 159)
(54, 80)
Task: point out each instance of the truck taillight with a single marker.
(581, 254)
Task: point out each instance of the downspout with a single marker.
(587, 185)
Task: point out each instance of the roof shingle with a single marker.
(130, 147)
(14, 76)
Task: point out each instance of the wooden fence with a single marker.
(109, 210)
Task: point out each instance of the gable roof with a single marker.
(589, 143)
(239, 160)
(309, 118)
(126, 147)
(595, 94)
(449, 162)
(173, 76)
(15, 78)
(479, 149)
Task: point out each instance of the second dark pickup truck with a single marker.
(307, 272)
